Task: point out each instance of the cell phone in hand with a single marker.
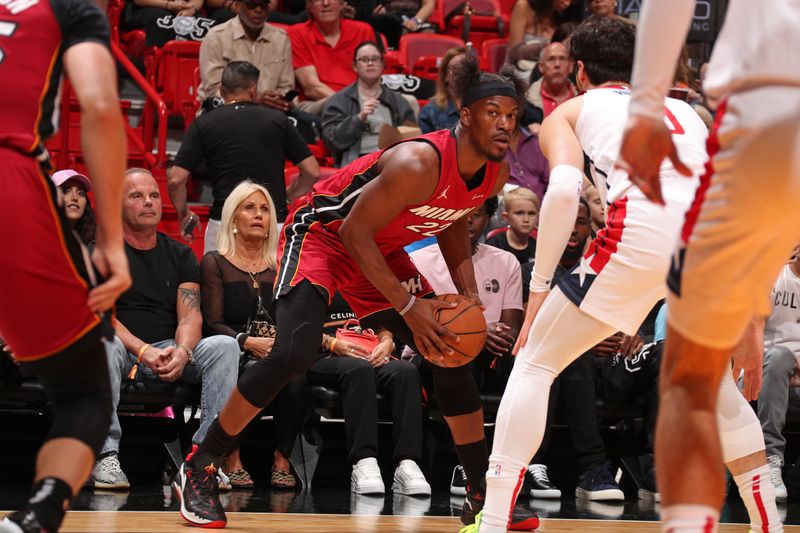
(291, 95)
(190, 226)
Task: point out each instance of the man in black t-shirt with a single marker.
(238, 141)
(158, 322)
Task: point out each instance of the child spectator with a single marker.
(521, 212)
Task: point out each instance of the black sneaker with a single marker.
(458, 483)
(22, 521)
(538, 485)
(598, 484)
(648, 491)
(198, 493)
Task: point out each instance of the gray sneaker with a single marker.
(775, 466)
(107, 474)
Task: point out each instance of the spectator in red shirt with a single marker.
(326, 39)
(554, 87)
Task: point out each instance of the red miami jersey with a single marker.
(34, 34)
(310, 248)
(453, 198)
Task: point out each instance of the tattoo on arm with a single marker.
(190, 298)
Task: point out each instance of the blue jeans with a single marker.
(215, 364)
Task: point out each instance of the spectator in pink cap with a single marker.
(74, 188)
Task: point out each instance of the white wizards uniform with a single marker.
(623, 273)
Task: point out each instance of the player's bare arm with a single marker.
(409, 174)
(563, 151)
(91, 70)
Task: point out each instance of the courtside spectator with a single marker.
(441, 112)
(248, 37)
(323, 50)
(521, 213)
(554, 87)
(238, 141)
(236, 293)
(74, 188)
(781, 368)
(359, 374)
(158, 325)
(355, 115)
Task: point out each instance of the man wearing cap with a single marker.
(348, 236)
(248, 37)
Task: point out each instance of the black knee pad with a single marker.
(76, 383)
(456, 390)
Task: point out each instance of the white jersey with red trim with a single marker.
(601, 123)
(757, 47)
(623, 273)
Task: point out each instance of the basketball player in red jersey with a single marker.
(348, 235)
(52, 305)
(737, 235)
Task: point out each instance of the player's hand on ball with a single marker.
(535, 301)
(428, 333)
(645, 144)
(112, 263)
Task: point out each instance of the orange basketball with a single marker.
(465, 320)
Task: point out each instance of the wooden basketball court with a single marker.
(170, 522)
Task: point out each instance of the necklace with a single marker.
(247, 264)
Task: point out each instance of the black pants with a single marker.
(574, 393)
(358, 383)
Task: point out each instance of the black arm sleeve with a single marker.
(81, 21)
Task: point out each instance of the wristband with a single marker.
(408, 306)
(189, 352)
(141, 352)
(539, 283)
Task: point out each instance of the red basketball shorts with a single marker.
(43, 277)
(307, 251)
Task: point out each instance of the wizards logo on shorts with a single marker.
(676, 271)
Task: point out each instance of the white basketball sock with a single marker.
(689, 519)
(758, 495)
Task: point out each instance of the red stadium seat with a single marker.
(493, 54)
(426, 67)
(484, 22)
(415, 45)
(171, 70)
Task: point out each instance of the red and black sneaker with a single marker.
(23, 521)
(197, 491)
(473, 505)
